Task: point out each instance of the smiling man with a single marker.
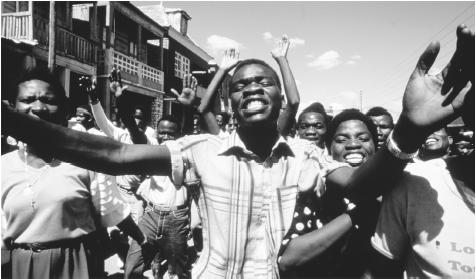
(437, 145)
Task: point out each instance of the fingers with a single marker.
(460, 69)
(458, 101)
(427, 58)
(187, 79)
(119, 78)
(175, 92)
(194, 84)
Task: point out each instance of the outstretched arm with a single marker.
(91, 152)
(124, 108)
(287, 116)
(429, 103)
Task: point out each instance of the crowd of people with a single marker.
(261, 194)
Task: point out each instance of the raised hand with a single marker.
(432, 101)
(115, 84)
(88, 84)
(189, 89)
(230, 59)
(281, 49)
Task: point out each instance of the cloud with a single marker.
(326, 61)
(353, 59)
(267, 36)
(297, 42)
(294, 42)
(310, 55)
(219, 44)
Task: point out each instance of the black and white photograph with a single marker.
(237, 139)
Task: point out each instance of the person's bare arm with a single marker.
(429, 103)
(124, 108)
(287, 117)
(88, 151)
(88, 85)
(306, 247)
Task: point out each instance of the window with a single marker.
(181, 66)
(14, 6)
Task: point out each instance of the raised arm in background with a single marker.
(188, 96)
(89, 86)
(430, 102)
(125, 110)
(288, 114)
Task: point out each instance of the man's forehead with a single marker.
(251, 71)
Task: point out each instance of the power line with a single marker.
(417, 51)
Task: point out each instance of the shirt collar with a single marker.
(233, 145)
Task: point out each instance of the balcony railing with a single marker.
(17, 26)
(66, 42)
(73, 45)
(137, 72)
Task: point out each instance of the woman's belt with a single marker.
(39, 246)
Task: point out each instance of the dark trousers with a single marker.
(168, 230)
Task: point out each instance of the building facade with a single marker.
(152, 52)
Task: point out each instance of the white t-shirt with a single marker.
(425, 223)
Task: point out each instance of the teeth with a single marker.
(354, 158)
(254, 105)
(429, 141)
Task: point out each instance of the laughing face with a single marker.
(437, 143)
(352, 143)
(255, 95)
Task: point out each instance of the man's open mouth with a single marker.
(254, 105)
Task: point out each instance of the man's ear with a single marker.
(450, 140)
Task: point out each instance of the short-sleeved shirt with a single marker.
(425, 224)
(246, 204)
(59, 204)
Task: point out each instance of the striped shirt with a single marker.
(246, 204)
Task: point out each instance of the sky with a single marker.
(340, 51)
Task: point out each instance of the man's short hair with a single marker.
(350, 114)
(260, 62)
(379, 111)
(43, 74)
(172, 119)
(315, 107)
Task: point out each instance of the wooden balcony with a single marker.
(136, 72)
(67, 43)
(34, 30)
(17, 26)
